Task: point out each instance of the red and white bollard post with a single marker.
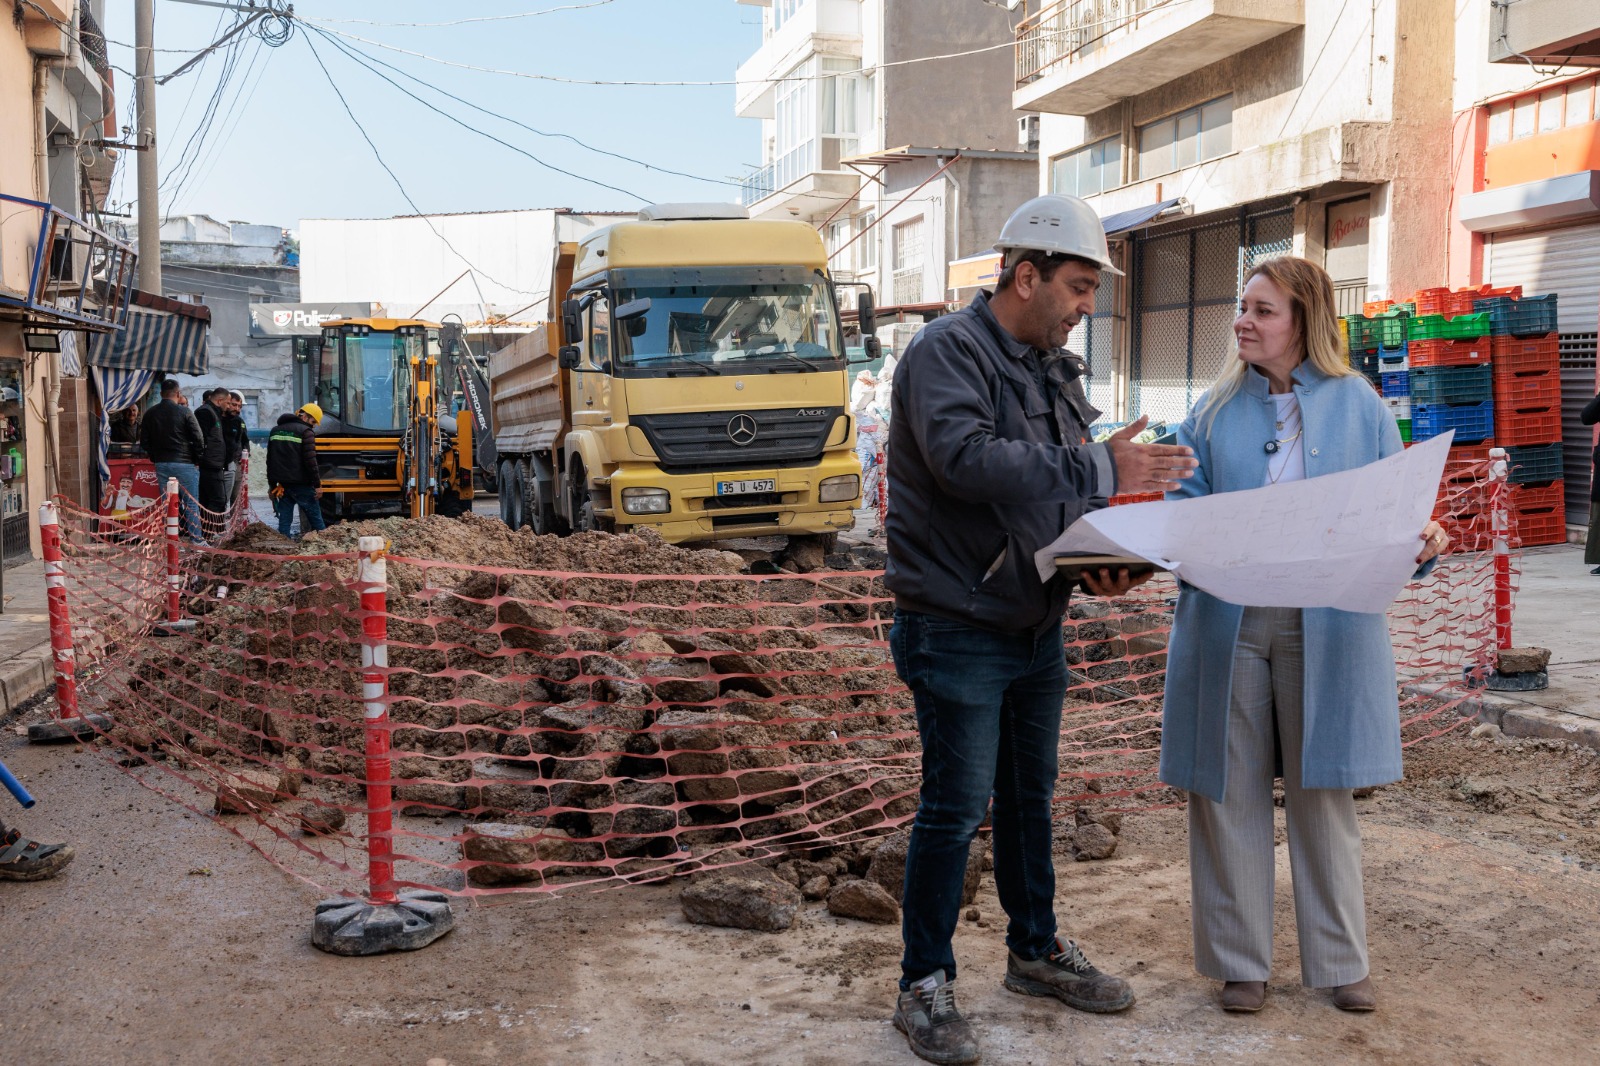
(175, 624)
(1513, 669)
(68, 723)
(387, 920)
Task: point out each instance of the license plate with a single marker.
(739, 488)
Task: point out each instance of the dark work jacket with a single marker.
(1589, 416)
(292, 453)
(212, 451)
(235, 439)
(988, 463)
(169, 434)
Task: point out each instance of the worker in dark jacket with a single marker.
(292, 468)
(172, 440)
(988, 463)
(213, 462)
(235, 443)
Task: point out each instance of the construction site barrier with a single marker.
(407, 713)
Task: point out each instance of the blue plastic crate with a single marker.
(1534, 463)
(1531, 316)
(1366, 363)
(1452, 384)
(1473, 422)
(1396, 383)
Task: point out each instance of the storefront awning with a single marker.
(171, 344)
(1123, 221)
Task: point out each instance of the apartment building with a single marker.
(888, 125)
(1525, 164)
(1211, 133)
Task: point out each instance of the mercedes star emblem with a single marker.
(741, 429)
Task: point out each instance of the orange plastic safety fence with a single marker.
(555, 728)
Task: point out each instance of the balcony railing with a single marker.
(757, 186)
(1065, 30)
(78, 275)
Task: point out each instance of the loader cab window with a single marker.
(727, 320)
(377, 367)
(329, 380)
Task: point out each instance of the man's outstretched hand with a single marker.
(1148, 467)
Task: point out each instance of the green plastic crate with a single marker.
(1440, 328)
(1390, 330)
(1405, 429)
(1360, 333)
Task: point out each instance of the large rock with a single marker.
(888, 867)
(865, 900)
(1093, 841)
(741, 901)
(504, 853)
(243, 791)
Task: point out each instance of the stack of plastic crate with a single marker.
(1377, 343)
(1450, 381)
(1527, 390)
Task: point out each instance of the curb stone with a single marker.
(25, 677)
(1523, 720)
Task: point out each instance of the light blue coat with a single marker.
(1352, 712)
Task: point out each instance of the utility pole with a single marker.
(144, 65)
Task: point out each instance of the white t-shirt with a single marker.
(1288, 463)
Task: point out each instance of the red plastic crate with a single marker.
(1526, 388)
(1445, 302)
(1449, 353)
(1465, 461)
(1484, 292)
(1471, 531)
(1514, 355)
(1136, 497)
(1539, 497)
(1527, 425)
(1543, 525)
(1374, 308)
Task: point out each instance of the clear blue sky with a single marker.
(280, 147)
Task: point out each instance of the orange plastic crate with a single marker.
(1526, 388)
(1527, 425)
(1543, 525)
(1539, 497)
(1465, 462)
(1484, 292)
(1468, 532)
(1449, 353)
(1374, 308)
(1513, 355)
(1445, 302)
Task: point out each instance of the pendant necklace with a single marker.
(1272, 446)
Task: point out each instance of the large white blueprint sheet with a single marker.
(1346, 540)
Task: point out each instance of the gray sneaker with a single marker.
(936, 1031)
(1069, 977)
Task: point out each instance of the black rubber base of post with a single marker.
(183, 627)
(1527, 681)
(89, 725)
(356, 927)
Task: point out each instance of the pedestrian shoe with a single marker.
(22, 859)
(1596, 570)
(926, 1013)
(1360, 996)
(1069, 977)
(1243, 997)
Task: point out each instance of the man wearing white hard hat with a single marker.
(989, 460)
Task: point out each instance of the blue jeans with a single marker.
(304, 497)
(188, 476)
(989, 713)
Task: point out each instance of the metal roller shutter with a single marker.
(1564, 261)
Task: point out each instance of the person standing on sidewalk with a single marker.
(235, 443)
(172, 440)
(1591, 542)
(292, 467)
(988, 462)
(1257, 693)
(213, 461)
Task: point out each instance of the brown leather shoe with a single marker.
(1360, 996)
(1243, 997)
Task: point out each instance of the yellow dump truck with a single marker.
(701, 388)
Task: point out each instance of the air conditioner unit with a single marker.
(1028, 132)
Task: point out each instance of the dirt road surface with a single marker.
(170, 941)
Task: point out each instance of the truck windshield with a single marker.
(733, 319)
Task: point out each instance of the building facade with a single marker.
(887, 125)
(64, 279)
(1212, 133)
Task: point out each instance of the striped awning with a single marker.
(172, 344)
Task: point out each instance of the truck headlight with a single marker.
(646, 501)
(837, 489)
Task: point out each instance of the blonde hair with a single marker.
(1310, 293)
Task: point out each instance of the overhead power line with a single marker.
(465, 21)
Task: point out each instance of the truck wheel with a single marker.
(519, 475)
(584, 519)
(828, 542)
(540, 507)
(510, 499)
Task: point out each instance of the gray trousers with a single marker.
(1231, 849)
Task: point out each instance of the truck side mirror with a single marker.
(866, 313)
(568, 357)
(632, 315)
(571, 313)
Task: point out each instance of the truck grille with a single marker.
(699, 442)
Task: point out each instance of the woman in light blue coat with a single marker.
(1258, 693)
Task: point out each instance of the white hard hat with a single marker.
(1060, 225)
